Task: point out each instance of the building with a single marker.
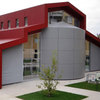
(29, 37)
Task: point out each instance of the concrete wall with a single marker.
(69, 42)
(12, 65)
(94, 57)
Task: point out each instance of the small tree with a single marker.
(48, 75)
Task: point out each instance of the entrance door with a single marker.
(31, 57)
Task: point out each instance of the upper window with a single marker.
(9, 24)
(17, 22)
(69, 20)
(77, 22)
(1, 25)
(55, 16)
(25, 21)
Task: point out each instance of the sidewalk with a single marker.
(92, 95)
(9, 92)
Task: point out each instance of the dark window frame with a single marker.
(17, 22)
(2, 25)
(9, 24)
(25, 21)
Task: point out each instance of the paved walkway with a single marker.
(9, 92)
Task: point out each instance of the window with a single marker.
(77, 23)
(49, 17)
(36, 40)
(69, 19)
(1, 25)
(25, 21)
(54, 17)
(17, 22)
(9, 25)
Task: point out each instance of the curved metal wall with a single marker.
(69, 41)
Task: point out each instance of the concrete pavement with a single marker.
(9, 92)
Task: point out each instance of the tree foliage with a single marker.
(48, 74)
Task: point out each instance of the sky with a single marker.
(89, 7)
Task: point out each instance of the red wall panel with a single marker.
(35, 15)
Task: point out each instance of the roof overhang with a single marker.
(12, 37)
(90, 37)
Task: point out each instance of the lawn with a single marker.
(59, 95)
(86, 85)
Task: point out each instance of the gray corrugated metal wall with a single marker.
(94, 57)
(69, 42)
(12, 65)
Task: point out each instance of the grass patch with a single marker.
(86, 85)
(59, 95)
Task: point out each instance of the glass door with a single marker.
(31, 56)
